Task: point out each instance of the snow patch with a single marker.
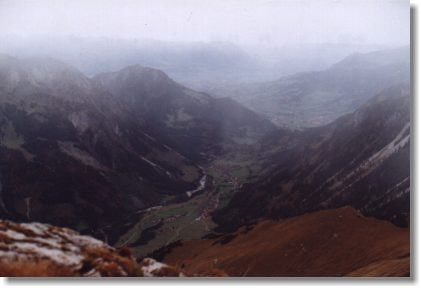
(82, 156)
(157, 166)
(374, 161)
(13, 234)
(152, 267)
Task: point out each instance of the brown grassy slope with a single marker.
(337, 242)
(384, 268)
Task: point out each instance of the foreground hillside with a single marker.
(338, 242)
(40, 250)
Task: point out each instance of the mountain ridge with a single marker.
(194, 122)
(331, 166)
(110, 155)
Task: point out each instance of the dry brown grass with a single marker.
(326, 243)
(385, 268)
(41, 268)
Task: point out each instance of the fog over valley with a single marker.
(207, 45)
(267, 22)
(205, 138)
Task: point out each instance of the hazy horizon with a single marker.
(205, 138)
(243, 23)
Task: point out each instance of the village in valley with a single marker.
(192, 219)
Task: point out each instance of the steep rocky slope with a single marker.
(91, 153)
(361, 159)
(338, 242)
(70, 158)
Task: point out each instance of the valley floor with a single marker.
(163, 225)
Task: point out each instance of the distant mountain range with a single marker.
(310, 99)
(198, 65)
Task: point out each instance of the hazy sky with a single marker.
(273, 22)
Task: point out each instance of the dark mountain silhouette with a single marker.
(69, 158)
(195, 123)
(76, 155)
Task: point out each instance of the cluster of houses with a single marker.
(214, 195)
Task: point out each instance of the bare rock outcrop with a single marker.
(41, 250)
